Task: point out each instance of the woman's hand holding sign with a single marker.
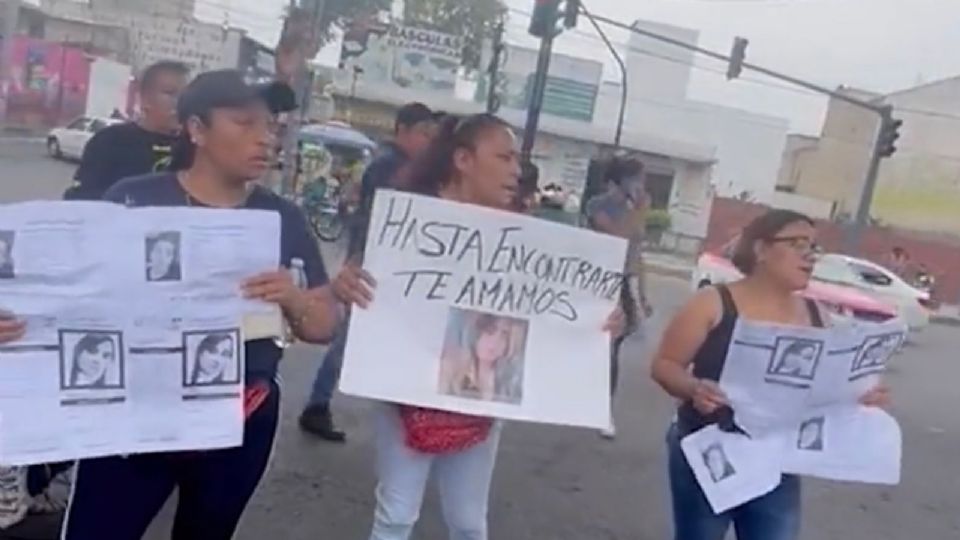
(707, 396)
(313, 314)
(878, 396)
(354, 285)
(11, 328)
(616, 323)
(276, 287)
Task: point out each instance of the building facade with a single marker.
(918, 187)
(178, 9)
(159, 31)
(749, 146)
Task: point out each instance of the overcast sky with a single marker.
(880, 45)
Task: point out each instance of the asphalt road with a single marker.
(555, 483)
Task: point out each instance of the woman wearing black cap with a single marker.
(225, 145)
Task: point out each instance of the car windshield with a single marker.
(831, 269)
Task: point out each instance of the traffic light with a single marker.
(571, 13)
(543, 21)
(889, 133)
(737, 55)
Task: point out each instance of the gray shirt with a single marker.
(616, 207)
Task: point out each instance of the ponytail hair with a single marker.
(434, 170)
(182, 153)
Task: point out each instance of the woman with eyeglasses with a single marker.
(776, 254)
(473, 161)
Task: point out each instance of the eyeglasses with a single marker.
(800, 244)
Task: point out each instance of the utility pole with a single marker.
(303, 35)
(11, 14)
(493, 72)
(536, 99)
(543, 25)
(884, 146)
(624, 89)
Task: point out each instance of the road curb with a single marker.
(669, 271)
(22, 139)
(945, 320)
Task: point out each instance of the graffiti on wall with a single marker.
(47, 84)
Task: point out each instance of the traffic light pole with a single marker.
(536, 97)
(862, 219)
(624, 89)
(884, 111)
(493, 98)
(746, 65)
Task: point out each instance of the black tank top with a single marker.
(710, 357)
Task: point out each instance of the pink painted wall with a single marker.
(48, 83)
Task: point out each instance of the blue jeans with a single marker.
(774, 516)
(463, 479)
(328, 376)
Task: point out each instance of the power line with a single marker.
(694, 65)
(752, 80)
(923, 112)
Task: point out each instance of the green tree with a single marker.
(300, 41)
(338, 11)
(475, 20)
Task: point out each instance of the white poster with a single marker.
(134, 327)
(732, 468)
(485, 312)
(795, 396)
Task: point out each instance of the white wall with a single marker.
(749, 147)
(649, 75)
(202, 46)
(691, 200)
(108, 88)
(815, 208)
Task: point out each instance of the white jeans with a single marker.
(463, 479)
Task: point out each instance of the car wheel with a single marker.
(53, 148)
(704, 283)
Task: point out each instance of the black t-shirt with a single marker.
(117, 152)
(296, 242)
(379, 174)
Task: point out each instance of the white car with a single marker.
(911, 303)
(69, 141)
(844, 302)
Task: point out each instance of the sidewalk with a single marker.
(16, 134)
(947, 315)
(665, 264)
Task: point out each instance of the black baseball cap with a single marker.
(227, 88)
(412, 114)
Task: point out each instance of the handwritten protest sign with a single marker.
(484, 312)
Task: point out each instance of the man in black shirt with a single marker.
(414, 130)
(134, 148)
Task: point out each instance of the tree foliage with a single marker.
(475, 20)
(338, 11)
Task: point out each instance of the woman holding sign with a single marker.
(225, 146)
(776, 254)
(473, 160)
